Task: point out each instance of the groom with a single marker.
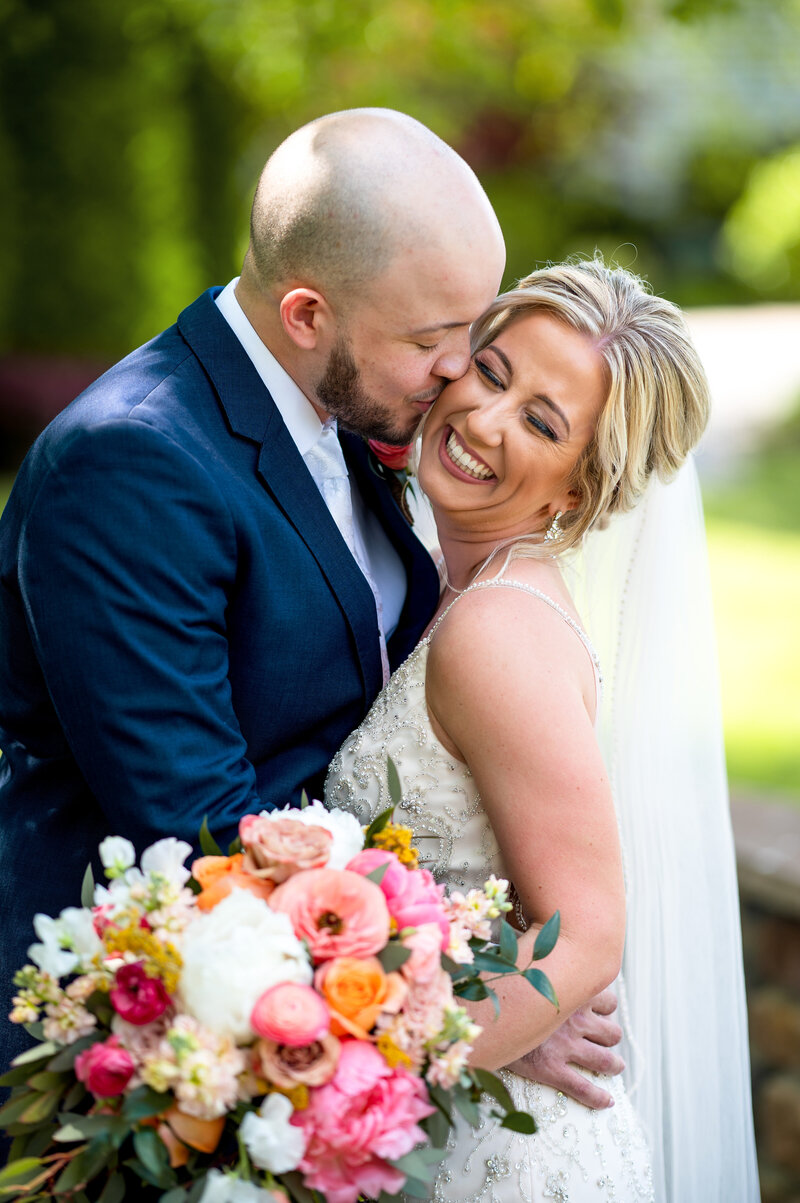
(204, 583)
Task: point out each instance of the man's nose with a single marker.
(454, 359)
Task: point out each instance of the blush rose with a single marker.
(276, 848)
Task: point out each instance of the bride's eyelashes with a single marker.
(494, 381)
(542, 427)
(487, 373)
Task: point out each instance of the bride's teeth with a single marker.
(464, 460)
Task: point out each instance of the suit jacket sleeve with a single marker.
(128, 556)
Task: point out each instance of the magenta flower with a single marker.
(412, 895)
(366, 1116)
(105, 1069)
(136, 997)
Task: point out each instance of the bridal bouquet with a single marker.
(283, 1024)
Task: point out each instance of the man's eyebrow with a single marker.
(438, 326)
(539, 396)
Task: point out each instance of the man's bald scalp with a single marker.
(343, 195)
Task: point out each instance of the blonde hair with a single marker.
(658, 400)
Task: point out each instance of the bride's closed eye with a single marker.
(540, 425)
(484, 370)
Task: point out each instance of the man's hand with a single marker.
(586, 1039)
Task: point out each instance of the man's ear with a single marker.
(306, 317)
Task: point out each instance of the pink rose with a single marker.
(292, 1014)
(277, 848)
(393, 457)
(412, 895)
(338, 914)
(136, 997)
(105, 1069)
(366, 1116)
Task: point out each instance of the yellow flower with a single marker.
(393, 1055)
(297, 1096)
(397, 839)
(161, 960)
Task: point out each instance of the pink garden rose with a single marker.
(412, 895)
(291, 1013)
(338, 913)
(136, 997)
(366, 1116)
(105, 1069)
(277, 848)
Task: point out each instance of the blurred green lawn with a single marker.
(754, 546)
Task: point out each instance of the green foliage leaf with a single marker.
(303, 800)
(38, 1053)
(48, 1081)
(73, 1096)
(466, 1106)
(114, 1190)
(86, 1126)
(442, 1100)
(541, 982)
(18, 1173)
(176, 1195)
(474, 990)
(508, 941)
(416, 1188)
(152, 1153)
(208, 844)
(489, 1083)
(377, 824)
(393, 779)
(437, 1128)
(34, 1030)
(41, 1108)
(66, 1057)
(490, 962)
(393, 956)
(11, 1111)
(85, 1166)
(87, 888)
(234, 848)
(546, 939)
(144, 1102)
(296, 1188)
(456, 970)
(519, 1121)
(377, 875)
(17, 1077)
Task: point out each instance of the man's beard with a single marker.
(342, 392)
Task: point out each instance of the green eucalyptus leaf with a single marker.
(34, 1030)
(86, 1125)
(473, 990)
(297, 1188)
(235, 847)
(176, 1195)
(393, 779)
(488, 962)
(114, 1190)
(489, 1083)
(377, 875)
(416, 1188)
(19, 1076)
(152, 1153)
(19, 1173)
(541, 982)
(546, 939)
(11, 1111)
(74, 1095)
(208, 844)
(466, 1106)
(303, 800)
(437, 1128)
(46, 1080)
(38, 1053)
(65, 1058)
(87, 888)
(144, 1102)
(378, 823)
(393, 956)
(41, 1108)
(443, 1100)
(508, 941)
(519, 1121)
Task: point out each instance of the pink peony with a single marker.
(276, 848)
(105, 1069)
(366, 1116)
(425, 962)
(412, 895)
(136, 997)
(292, 1014)
(337, 913)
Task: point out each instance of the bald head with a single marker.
(343, 197)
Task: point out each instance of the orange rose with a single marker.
(357, 990)
(218, 875)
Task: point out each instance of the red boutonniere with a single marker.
(393, 457)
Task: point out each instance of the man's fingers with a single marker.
(604, 1003)
(599, 1060)
(600, 1030)
(584, 1091)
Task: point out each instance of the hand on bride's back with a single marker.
(587, 1039)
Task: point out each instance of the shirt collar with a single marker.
(293, 405)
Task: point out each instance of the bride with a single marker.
(582, 387)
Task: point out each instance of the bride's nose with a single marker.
(485, 422)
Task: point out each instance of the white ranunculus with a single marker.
(166, 858)
(78, 934)
(272, 1142)
(50, 955)
(222, 1188)
(231, 955)
(347, 832)
(117, 854)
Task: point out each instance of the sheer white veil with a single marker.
(642, 588)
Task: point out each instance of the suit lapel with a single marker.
(252, 414)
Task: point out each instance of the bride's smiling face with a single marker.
(500, 445)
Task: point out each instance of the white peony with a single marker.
(231, 955)
(223, 1188)
(272, 1142)
(347, 832)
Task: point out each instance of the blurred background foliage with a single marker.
(132, 131)
(665, 132)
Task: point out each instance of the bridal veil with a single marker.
(642, 589)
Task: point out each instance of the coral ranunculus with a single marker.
(291, 1013)
(105, 1069)
(219, 875)
(336, 912)
(413, 897)
(356, 992)
(137, 998)
(364, 1118)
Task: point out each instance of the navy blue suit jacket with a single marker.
(184, 631)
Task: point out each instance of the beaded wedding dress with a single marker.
(577, 1155)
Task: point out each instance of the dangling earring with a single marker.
(553, 531)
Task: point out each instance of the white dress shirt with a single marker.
(371, 547)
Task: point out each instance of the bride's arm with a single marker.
(511, 690)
